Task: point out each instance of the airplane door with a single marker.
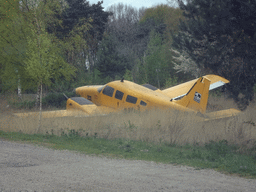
(119, 95)
(107, 97)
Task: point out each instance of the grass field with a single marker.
(175, 137)
(173, 127)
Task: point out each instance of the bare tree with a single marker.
(124, 25)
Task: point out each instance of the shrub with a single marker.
(23, 104)
(56, 99)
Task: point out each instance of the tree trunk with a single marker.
(19, 89)
(40, 110)
(38, 97)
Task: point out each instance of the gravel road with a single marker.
(25, 167)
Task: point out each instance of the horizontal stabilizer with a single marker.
(181, 90)
(222, 114)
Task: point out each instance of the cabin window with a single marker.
(131, 99)
(108, 91)
(143, 103)
(119, 95)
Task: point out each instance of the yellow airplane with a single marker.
(122, 94)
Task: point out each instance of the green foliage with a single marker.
(220, 36)
(140, 74)
(43, 61)
(166, 15)
(128, 75)
(216, 92)
(22, 104)
(110, 63)
(72, 134)
(218, 150)
(57, 99)
(157, 62)
(12, 45)
(75, 43)
(30, 54)
(10, 26)
(81, 29)
(171, 81)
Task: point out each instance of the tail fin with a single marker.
(197, 96)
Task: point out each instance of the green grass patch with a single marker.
(215, 155)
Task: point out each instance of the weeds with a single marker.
(250, 122)
(130, 126)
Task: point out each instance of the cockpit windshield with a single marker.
(100, 89)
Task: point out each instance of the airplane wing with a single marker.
(76, 106)
(180, 90)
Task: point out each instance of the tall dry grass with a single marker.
(173, 127)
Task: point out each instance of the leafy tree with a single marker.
(166, 16)
(13, 31)
(157, 62)
(163, 20)
(220, 36)
(109, 62)
(132, 37)
(29, 53)
(128, 75)
(43, 61)
(81, 29)
(132, 29)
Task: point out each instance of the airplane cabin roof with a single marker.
(137, 90)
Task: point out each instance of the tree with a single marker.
(12, 45)
(123, 24)
(38, 56)
(220, 36)
(43, 61)
(157, 62)
(109, 62)
(21, 20)
(166, 16)
(163, 20)
(81, 29)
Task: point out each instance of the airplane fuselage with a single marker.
(126, 95)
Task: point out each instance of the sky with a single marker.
(135, 3)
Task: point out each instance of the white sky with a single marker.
(134, 3)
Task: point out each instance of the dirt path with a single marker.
(25, 167)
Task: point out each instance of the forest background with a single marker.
(61, 45)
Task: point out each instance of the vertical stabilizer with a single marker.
(197, 96)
